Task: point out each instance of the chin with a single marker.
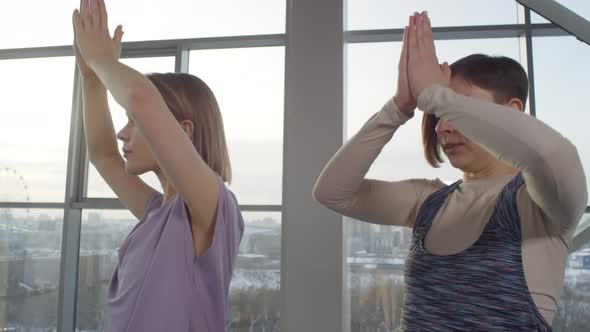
(457, 162)
(134, 170)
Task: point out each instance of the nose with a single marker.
(123, 135)
(444, 127)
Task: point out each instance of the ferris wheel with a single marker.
(13, 188)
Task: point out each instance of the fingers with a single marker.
(428, 36)
(446, 69)
(419, 30)
(118, 35)
(84, 7)
(423, 32)
(94, 13)
(103, 14)
(412, 37)
(77, 22)
(405, 43)
(404, 53)
(85, 13)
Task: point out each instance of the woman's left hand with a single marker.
(423, 66)
(92, 34)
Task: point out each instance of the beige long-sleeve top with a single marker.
(550, 204)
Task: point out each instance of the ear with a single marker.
(516, 104)
(188, 126)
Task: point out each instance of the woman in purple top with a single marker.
(175, 266)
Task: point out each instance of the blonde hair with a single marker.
(189, 98)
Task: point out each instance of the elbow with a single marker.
(324, 194)
(574, 191)
(319, 193)
(330, 197)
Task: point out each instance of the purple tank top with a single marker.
(160, 285)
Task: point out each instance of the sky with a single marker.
(249, 84)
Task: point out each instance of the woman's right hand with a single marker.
(85, 70)
(403, 98)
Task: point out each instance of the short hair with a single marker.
(504, 77)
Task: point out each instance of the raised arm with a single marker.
(342, 186)
(550, 163)
(100, 138)
(183, 167)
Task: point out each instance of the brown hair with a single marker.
(502, 76)
(189, 98)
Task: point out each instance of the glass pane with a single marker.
(255, 294)
(30, 254)
(249, 86)
(381, 14)
(580, 7)
(97, 187)
(375, 259)
(255, 287)
(561, 75)
(156, 20)
(574, 306)
(201, 18)
(102, 233)
(584, 223)
(35, 113)
(52, 24)
(375, 254)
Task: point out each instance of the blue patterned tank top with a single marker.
(482, 288)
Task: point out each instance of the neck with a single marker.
(491, 170)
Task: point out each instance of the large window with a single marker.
(245, 51)
(33, 147)
(249, 85)
(30, 252)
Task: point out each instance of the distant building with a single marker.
(580, 259)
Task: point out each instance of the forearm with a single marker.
(127, 85)
(98, 125)
(549, 162)
(341, 178)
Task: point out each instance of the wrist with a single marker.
(101, 62)
(92, 81)
(406, 107)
